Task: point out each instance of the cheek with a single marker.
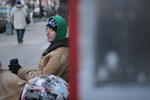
(54, 34)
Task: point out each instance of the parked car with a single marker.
(3, 18)
(4, 12)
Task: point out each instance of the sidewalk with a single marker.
(29, 52)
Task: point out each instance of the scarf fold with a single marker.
(56, 44)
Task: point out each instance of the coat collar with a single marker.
(56, 44)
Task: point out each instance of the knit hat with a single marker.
(58, 24)
(18, 1)
(52, 24)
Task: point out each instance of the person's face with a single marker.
(50, 34)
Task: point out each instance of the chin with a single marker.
(50, 40)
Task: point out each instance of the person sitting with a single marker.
(55, 58)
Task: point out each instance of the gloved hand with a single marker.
(14, 66)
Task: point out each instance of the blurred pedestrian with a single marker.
(31, 14)
(0, 65)
(54, 59)
(52, 7)
(28, 14)
(19, 14)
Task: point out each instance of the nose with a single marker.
(47, 32)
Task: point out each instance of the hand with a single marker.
(14, 66)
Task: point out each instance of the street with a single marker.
(29, 52)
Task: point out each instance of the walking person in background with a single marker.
(31, 14)
(19, 14)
